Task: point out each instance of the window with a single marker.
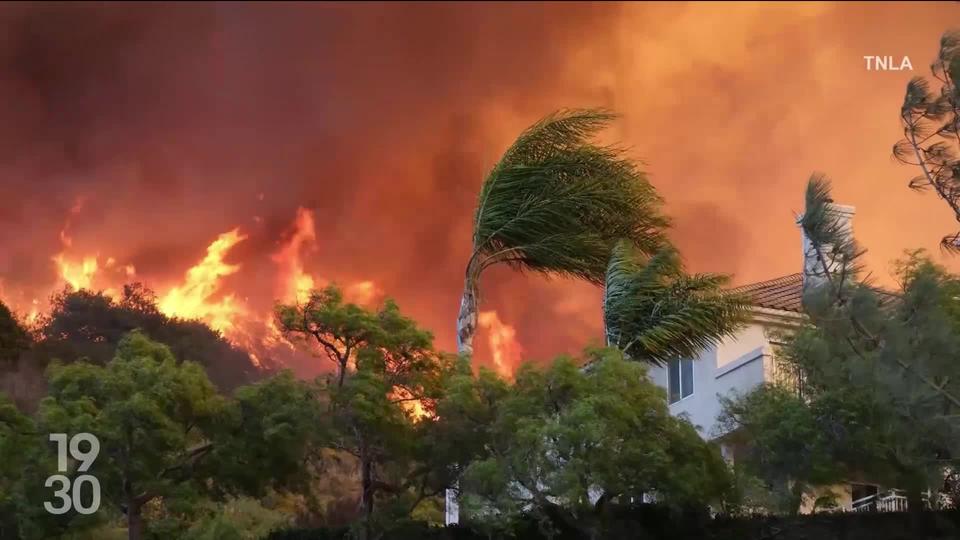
(680, 380)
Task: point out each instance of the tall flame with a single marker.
(503, 342)
(78, 274)
(193, 299)
(296, 283)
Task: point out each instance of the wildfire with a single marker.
(413, 407)
(503, 343)
(296, 283)
(193, 299)
(77, 274)
(202, 293)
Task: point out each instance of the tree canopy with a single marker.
(931, 130)
(557, 203)
(14, 339)
(90, 325)
(654, 311)
(565, 442)
(878, 369)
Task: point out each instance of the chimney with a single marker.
(813, 272)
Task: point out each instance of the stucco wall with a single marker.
(736, 366)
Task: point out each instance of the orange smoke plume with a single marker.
(504, 346)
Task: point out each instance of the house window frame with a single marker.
(680, 379)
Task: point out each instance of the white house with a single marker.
(738, 364)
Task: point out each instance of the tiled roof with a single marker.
(783, 293)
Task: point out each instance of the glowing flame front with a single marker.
(78, 275)
(193, 299)
(296, 283)
(503, 342)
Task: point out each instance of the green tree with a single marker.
(784, 443)
(89, 325)
(931, 130)
(339, 329)
(565, 442)
(653, 311)
(556, 203)
(159, 421)
(382, 400)
(879, 374)
(18, 447)
(14, 339)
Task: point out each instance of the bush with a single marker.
(647, 522)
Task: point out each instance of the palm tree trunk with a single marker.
(467, 319)
(466, 329)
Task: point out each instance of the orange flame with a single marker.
(193, 298)
(296, 283)
(202, 293)
(503, 342)
(77, 274)
(413, 407)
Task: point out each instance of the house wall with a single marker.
(736, 366)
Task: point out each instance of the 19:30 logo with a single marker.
(69, 493)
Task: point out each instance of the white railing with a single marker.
(893, 500)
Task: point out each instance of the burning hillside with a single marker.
(206, 292)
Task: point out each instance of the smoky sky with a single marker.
(178, 122)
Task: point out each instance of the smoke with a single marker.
(178, 123)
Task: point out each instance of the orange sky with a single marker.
(178, 123)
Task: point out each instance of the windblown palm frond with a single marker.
(653, 311)
(556, 203)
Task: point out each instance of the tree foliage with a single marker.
(565, 442)
(14, 339)
(382, 401)
(557, 204)
(653, 311)
(879, 372)
(167, 437)
(931, 130)
(783, 441)
(90, 325)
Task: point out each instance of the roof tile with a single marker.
(783, 293)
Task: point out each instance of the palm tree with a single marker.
(653, 311)
(556, 203)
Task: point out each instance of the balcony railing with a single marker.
(893, 500)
